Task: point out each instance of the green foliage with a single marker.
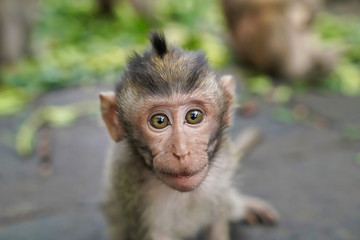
(283, 115)
(79, 47)
(12, 100)
(344, 31)
(259, 84)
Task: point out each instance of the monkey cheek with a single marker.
(184, 183)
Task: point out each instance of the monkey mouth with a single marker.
(184, 181)
(182, 174)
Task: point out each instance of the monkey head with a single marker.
(173, 110)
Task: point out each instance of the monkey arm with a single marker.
(219, 229)
(250, 210)
(241, 146)
(245, 142)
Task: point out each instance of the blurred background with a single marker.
(296, 63)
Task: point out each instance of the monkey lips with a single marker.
(184, 181)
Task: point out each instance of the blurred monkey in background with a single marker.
(275, 37)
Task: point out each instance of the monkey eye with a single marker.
(194, 117)
(159, 121)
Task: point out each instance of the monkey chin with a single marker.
(184, 182)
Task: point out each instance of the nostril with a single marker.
(181, 155)
(175, 155)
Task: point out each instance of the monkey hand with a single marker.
(259, 212)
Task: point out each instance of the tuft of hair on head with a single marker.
(158, 43)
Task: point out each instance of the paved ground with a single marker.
(310, 174)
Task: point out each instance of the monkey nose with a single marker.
(181, 151)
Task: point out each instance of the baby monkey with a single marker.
(169, 172)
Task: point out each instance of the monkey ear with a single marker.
(227, 83)
(108, 112)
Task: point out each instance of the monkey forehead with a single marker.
(203, 100)
(131, 100)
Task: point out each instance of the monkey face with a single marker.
(178, 134)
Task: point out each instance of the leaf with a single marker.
(60, 116)
(349, 76)
(259, 84)
(12, 100)
(282, 94)
(283, 115)
(26, 133)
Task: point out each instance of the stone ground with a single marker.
(308, 172)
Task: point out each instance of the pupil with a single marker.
(160, 120)
(193, 115)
